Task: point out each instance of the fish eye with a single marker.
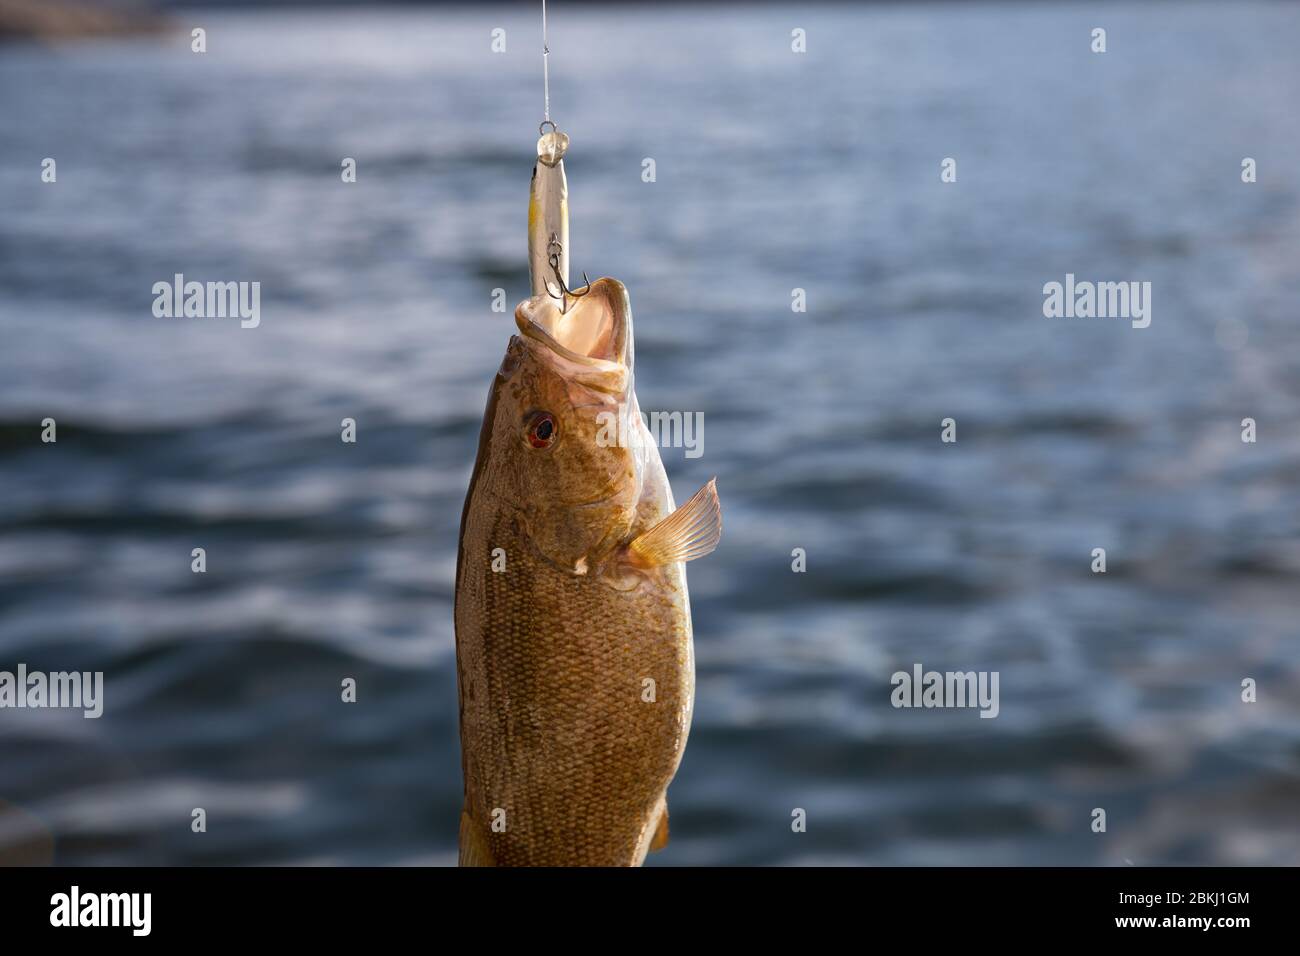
(542, 430)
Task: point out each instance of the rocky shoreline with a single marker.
(59, 20)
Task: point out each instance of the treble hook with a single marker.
(553, 257)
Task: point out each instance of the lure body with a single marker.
(548, 216)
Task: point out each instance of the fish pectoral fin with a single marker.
(474, 849)
(690, 532)
(660, 839)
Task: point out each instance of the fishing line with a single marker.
(546, 74)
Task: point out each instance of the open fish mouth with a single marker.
(595, 330)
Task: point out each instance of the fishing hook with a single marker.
(553, 257)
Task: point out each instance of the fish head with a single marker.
(567, 444)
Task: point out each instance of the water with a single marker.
(775, 171)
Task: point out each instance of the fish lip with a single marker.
(614, 294)
(538, 334)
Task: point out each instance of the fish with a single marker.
(574, 657)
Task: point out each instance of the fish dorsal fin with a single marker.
(690, 532)
(474, 849)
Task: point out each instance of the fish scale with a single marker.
(557, 734)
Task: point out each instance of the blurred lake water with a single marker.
(775, 171)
